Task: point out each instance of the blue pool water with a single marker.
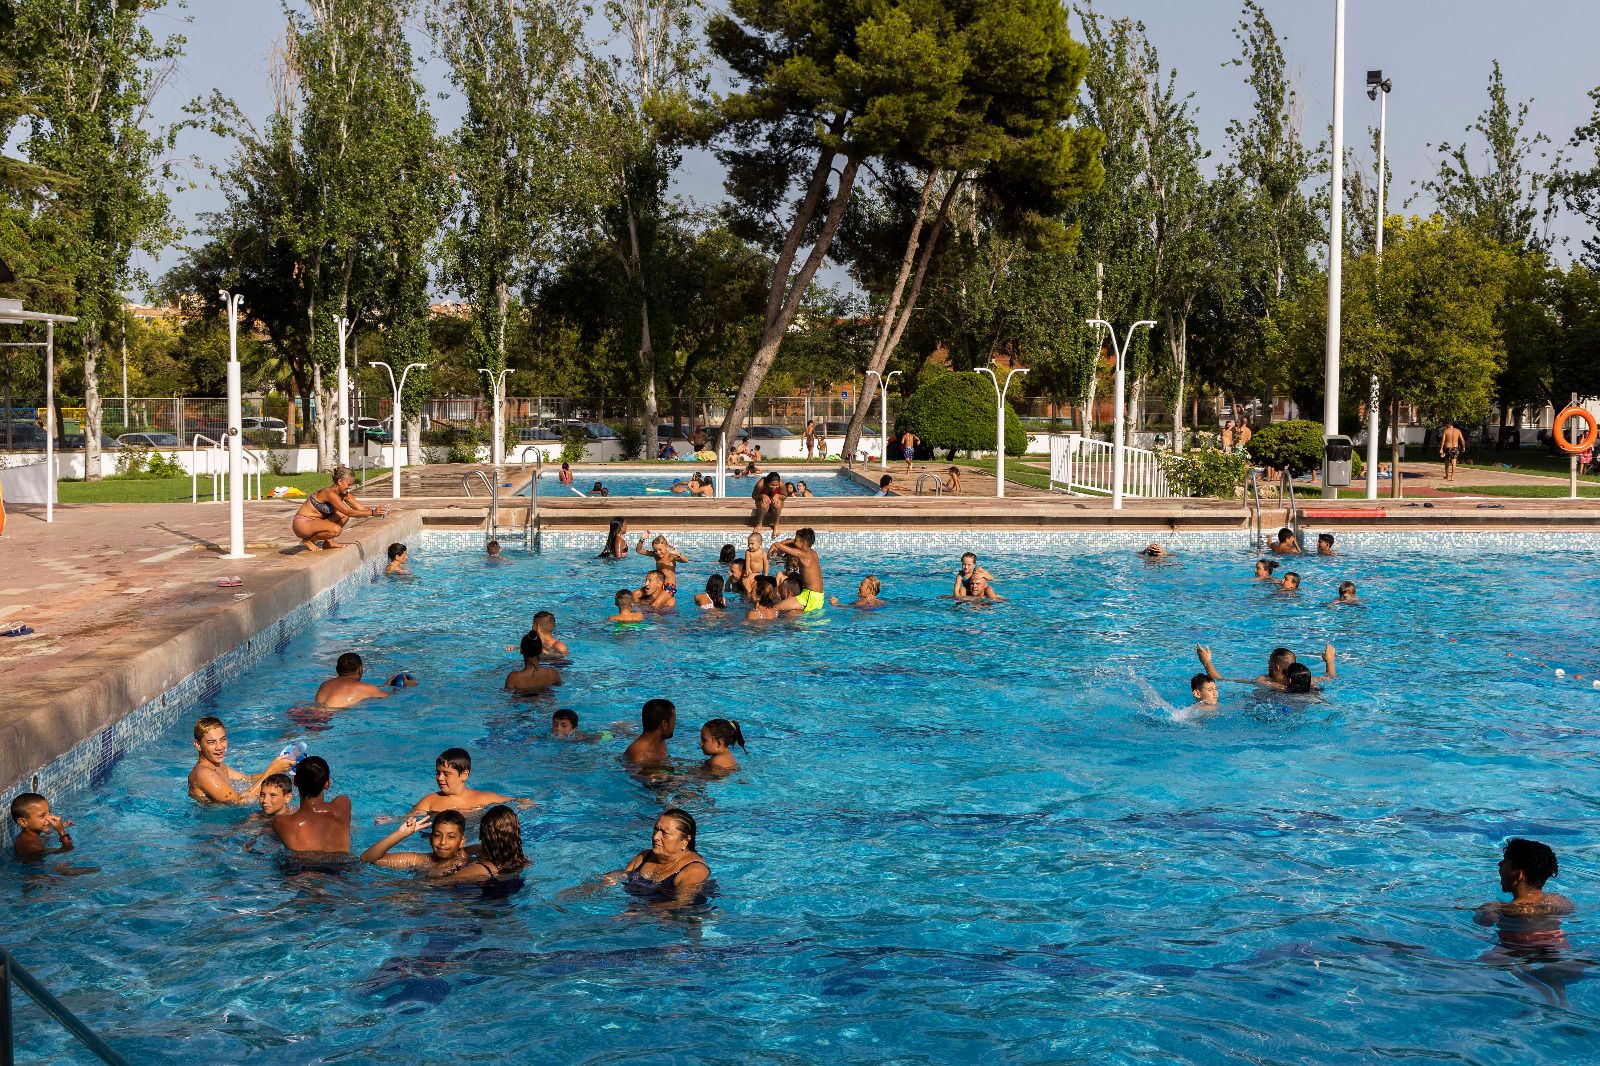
(821, 484)
(959, 834)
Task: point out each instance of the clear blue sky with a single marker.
(1438, 53)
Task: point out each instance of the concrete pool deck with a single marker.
(124, 602)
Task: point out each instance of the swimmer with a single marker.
(666, 556)
(276, 792)
(883, 486)
(626, 610)
(450, 772)
(1154, 552)
(1347, 594)
(952, 482)
(212, 779)
(969, 568)
(1531, 940)
(347, 689)
(979, 589)
(1278, 663)
(800, 548)
(500, 854)
(397, 561)
(564, 725)
(1264, 569)
(447, 835)
(1325, 544)
(670, 870)
(616, 540)
(716, 739)
(318, 824)
(1204, 691)
(712, 599)
(1525, 866)
(727, 555)
(532, 677)
(1290, 582)
(565, 477)
(544, 624)
(789, 601)
(492, 549)
(598, 489)
(803, 491)
(659, 718)
(31, 813)
(866, 595)
(1286, 544)
(764, 603)
(756, 560)
(654, 595)
(739, 580)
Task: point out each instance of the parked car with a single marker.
(275, 428)
(838, 429)
(598, 431)
(530, 434)
(148, 440)
(767, 433)
(73, 442)
(25, 436)
(365, 429)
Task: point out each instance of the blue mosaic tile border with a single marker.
(89, 763)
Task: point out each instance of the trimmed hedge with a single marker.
(1295, 444)
(955, 411)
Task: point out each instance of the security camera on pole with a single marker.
(398, 388)
(235, 432)
(1000, 424)
(1118, 410)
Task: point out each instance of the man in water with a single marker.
(1278, 663)
(799, 548)
(884, 484)
(659, 718)
(347, 689)
(1451, 444)
(1530, 924)
(317, 825)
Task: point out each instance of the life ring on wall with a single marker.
(1590, 433)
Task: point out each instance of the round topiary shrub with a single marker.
(955, 411)
(1296, 445)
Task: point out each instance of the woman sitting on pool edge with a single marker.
(669, 870)
(322, 517)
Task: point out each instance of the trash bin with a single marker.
(1336, 453)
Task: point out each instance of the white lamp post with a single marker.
(883, 415)
(1000, 424)
(235, 432)
(1330, 401)
(398, 387)
(1118, 410)
(497, 389)
(1376, 82)
(343, 325)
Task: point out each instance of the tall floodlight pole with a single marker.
(1119, 406)
(398, 388)
(497, 391)
(343, 325)
(49, 419)
(1376, 82)
(231, 302)
(124, 370)
(883, 415)
(1330, 401)
(1000, 424)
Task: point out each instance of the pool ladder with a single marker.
(11, 972)
(491, 528)
(938, 484)
(1257, 537)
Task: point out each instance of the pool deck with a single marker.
(124, 601)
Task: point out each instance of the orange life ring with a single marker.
(1589, 435)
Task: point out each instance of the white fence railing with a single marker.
(1082, 466)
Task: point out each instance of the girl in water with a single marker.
(500, 856)
(765, 601)
(616, 540)
(666, 556)
(716, 738)
(712, 599)
(1264, 569)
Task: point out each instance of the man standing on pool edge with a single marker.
(799, 548)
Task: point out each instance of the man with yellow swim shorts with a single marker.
(799, 548)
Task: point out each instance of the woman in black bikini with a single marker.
(669, 870)
(500, 856)
(616, 540)
(324, 514)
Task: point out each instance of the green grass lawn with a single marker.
(1541, 492)
(1018, 471)
(1522, 460)
(176, 490)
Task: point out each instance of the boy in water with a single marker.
(1325, 544)
(212, 779)
(1347, 594)
(1286, 544)
(563, 724)
(799, 548)
(446, 837)
(493, 549)
(276, 792)
(626, 610)
(346, 689)
(666, 556)
(533, 676)
(883, 486)
(544, 624)
(659, 718)
(450, 772)
(755, 556)
(1278, 663)
(397, 561)
(1525, 866)
(1290, 582)
(1529, 926)
(317, 825)
(789, 590)
(1204, 691)
(35, 823)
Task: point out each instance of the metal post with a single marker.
(883, 415)
(722, 463)
(1118, 457)
(1000, 425)
(398, 388)
(1572, 474)
(7, 1037)
(50, 419)
(497, 390)
(124, 371)
(342, 324)
(1372, 409)
(1330, 402)
(235, 432)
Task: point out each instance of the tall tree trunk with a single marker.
(291, 434)
(91, 402)
(1178, 340)
(1134, 414)
(647, 364)
(327, 452)
(413, 440)
(1396, 490)
(786, 291)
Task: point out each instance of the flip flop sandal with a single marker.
(229, 582)
(16, 631)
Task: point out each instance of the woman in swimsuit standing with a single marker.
(669, 870)
(324, 514)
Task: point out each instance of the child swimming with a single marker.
(626, 609)
(716, 738)
(666, 556)
(212, 780)
(447, 834)
(31, 813)
(450, 772)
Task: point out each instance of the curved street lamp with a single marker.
(1000, 424)
(1118, 459)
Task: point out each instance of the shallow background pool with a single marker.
(960, 834)
(820, 484)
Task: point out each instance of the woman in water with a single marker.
(669, 870)
(1264, 569)
(500, 856)
(866, 595)
(323, 516)
(712, 598)
(616, 540)
(717, 737)
(765, 601)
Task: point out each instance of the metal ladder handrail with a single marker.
(493, 485)
(12, 970)
(1255, 493)
(938, 484)
(530, 518)
(1292, 519)
(194, 469)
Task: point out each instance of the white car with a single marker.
(275, 427)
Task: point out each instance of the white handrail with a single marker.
(260, 466)
(1083, 466)
(217, 483)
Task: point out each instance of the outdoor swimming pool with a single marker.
(959, 834)
(653, 484)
